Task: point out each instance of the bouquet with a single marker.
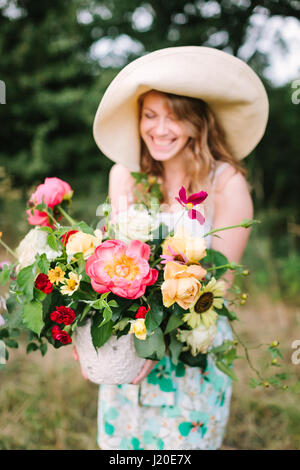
(124, 292)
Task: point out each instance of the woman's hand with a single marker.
(75, 355)
(145, 370)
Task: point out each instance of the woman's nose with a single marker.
(161, 126)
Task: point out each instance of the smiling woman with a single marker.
(200, 113)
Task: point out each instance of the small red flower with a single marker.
(43, 283)
(141, 313)
(63, 314)
(190, 202)
(60, 335)
(66, 236)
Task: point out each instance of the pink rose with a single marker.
(52, 192)
(121, 269)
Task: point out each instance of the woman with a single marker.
(186, 115)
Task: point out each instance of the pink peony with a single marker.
(121, 269)
(51, 192)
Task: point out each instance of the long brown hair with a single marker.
(206, 146)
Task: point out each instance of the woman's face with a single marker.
(163, 133)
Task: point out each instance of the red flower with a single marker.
(63, 314)
(67, 235)
(60, 335)
(43, 283)
(190, 202)
(141, 313)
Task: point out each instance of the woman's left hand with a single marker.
(145, 370)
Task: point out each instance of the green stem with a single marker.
(224, 266)
(8, 248)
(67, 216)
(247, 354)
(227, 228)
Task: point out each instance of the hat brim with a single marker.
(227, 84)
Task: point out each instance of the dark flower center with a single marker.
(204, 302)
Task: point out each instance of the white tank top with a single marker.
(180, 218)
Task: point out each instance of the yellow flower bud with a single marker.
(274, 344)
(242, 302)
(245, 272)
(244, 296)
(275, 361)
(284, 387)
(266, 384)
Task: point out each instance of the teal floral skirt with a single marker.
(175, 407)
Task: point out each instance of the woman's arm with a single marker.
(233, 203)
(120, 188)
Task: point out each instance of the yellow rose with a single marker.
(81, 242)
(182, 284)
(182, 242)
(138, 328)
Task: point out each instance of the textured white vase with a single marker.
(116, 362)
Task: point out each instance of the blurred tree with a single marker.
(54, 81)
(52, 91)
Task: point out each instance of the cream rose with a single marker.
(81, 242)
(182, 284)
(35, 242)
(199, 339)
(194, 248)
(134, 224)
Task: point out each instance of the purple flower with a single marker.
(190, 202)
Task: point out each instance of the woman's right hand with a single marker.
(75, 355)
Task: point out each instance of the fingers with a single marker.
(145, 370)
(75, 354)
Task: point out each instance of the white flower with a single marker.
(71, 284)
(134, 224)
(199, 339)
(35, 242)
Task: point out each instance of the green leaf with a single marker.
(175, 348)
(52, 242)
(152, 347)
(107, 314)
(4, 275)
(156, 313)
(121, 325)
(84, 227)
(173, 323)
(11, 343)
(31, 347)
(113, 303)
(214, 258)
(33, 316)
(226, 370)
(46, 229)
(200, 360)
(226, 313)
(43, 264)
(102, 334)
(25, 281)
(43, 348)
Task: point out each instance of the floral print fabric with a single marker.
(175, 407)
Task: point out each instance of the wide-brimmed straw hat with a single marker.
(227, 84)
